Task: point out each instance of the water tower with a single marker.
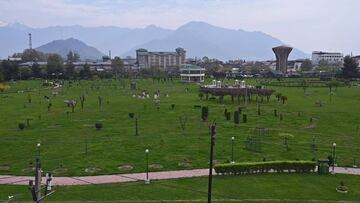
(282, 54)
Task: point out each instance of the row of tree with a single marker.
(56, 67)
(349, 68)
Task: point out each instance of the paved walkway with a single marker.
(121, 178)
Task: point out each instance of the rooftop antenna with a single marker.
(30, 41)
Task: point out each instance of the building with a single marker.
(357, 58)
(130, 63)
(164, 60)
(192, 73)
(282, 54)
(330, 57)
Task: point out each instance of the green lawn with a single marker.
(268, 188)
(63, 139)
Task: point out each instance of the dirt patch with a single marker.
(54, 126)
(156, 166)
(310, 126)
(92, 170)
(4, 168)
(28, 170)
(60, 170)
(185, 164)
(125, 168)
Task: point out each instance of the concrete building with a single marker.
(330, 57)
(192, 73)
(358, 59)
(164, 60)
(282, 54)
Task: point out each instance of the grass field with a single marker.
(63, 139)
(249, 188)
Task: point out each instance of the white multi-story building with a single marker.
(147, 59)
(192, 73)
(330, 57)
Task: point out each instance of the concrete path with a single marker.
(122, 178)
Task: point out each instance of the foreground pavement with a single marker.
(133, 177)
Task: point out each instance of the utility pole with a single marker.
(30, 42)
(213, 136)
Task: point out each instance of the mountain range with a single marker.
(197, 38)
(63, 47)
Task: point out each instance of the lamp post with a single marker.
(38, 149)
(334, 158)
(232, 150)
(147, 181)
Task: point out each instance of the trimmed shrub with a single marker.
(244, 118)
(265, 167)
(131, 115)
(236, 118)
(228, 115)
(21, 126)
(98, 126)
(204, 113)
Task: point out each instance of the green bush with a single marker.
(21, 126)
(265, 167)
(236, 118)
(98, 126)
(131, 115)
(204, 113)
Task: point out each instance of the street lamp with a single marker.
(334, 158)
(38, 148)
(232, 150)
(147, 181)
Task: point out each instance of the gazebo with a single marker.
(192, 73)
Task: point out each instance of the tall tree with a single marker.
(350, 66)
(70, 70)
(1, 73)
(117, 66)
(36, 70)
(10, 70)
(55, 65)
(31, 55)
(306, 65)
(85, 73)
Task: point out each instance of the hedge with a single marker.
(266, 167)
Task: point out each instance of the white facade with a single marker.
(330, 57)
(192, 73)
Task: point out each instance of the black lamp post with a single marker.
(147, 181)
(38, 149)
(334, 158)
(232, 150)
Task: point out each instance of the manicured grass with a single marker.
(63, 139)
(267, 188)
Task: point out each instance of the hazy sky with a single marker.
(330, 25)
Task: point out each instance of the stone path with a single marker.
(121, 178)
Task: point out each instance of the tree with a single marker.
(306, 65)
(85, 73)
(117, 66)
(25, 73)
(10, 70)
(31, 55)
(55, 65)
(1, 73)
(70, 70)
(36, 70)
(350, 66)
